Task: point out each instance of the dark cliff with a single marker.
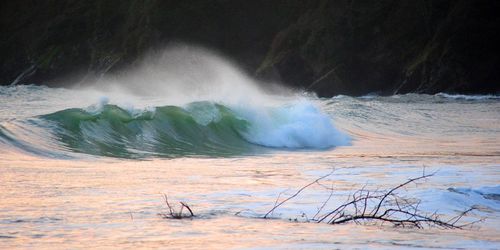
(331, 47)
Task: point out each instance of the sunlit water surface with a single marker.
(57, 195)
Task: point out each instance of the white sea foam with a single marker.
(469, 97)
(297, 125)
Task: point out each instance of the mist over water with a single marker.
(182, 74)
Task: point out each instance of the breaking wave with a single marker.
(197, 129)
(179, 101)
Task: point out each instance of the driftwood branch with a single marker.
(381, 206)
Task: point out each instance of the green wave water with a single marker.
(200, 128)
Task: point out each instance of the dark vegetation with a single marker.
(331, 47)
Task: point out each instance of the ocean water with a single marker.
(76, 174)
(88, 167)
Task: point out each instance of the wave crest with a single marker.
(198, 129)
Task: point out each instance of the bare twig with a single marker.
(324, 203)
(278, 198)
(188, 208)
(398, 187)
(297, 193)
(172, 214)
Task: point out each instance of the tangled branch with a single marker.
(173, 214)
(383, 206)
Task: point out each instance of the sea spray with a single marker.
(183, 74)
(185, 101)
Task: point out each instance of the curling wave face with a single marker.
(196, 129)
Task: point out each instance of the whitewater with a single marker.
(87, 165)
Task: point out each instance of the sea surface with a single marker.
(81, 168)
